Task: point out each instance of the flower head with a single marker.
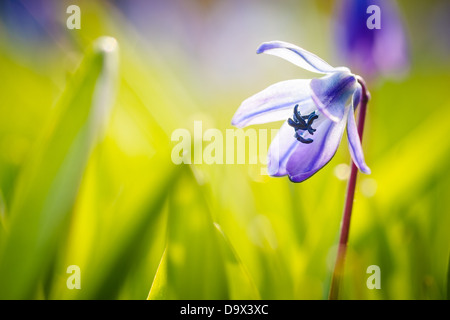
(315, 111)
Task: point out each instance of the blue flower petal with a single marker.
(354, 142)
(274, 103)
(297, 56)
(307, 159)
(357, 96)
(280, 150)
(331, 92)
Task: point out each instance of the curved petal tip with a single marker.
(296, 55)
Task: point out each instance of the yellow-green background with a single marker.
(102, 193)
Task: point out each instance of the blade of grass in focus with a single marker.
(192, 266)
(240, 284)
(49, 183)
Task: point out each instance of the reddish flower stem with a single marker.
(345, 224)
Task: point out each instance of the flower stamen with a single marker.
(302, 123)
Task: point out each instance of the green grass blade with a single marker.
(48, 186)
(160, 286)
(240, 284)
(192, 266)
(129, 249)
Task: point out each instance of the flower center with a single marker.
(302, 123)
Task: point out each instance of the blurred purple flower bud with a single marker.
(372, 41)
(29, 20)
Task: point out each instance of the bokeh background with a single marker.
(86, 176)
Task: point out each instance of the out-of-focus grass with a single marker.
(47, 187)
(109, 199)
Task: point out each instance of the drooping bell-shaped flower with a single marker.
(315, 111)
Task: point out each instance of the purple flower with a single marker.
(371, 51)
(315, 113)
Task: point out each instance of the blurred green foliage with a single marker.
(86, 176)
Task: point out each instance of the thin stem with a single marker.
(345, 224)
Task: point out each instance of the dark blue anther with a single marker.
(313, 116)
(299, 119)
(302, 123)
(301, 139)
